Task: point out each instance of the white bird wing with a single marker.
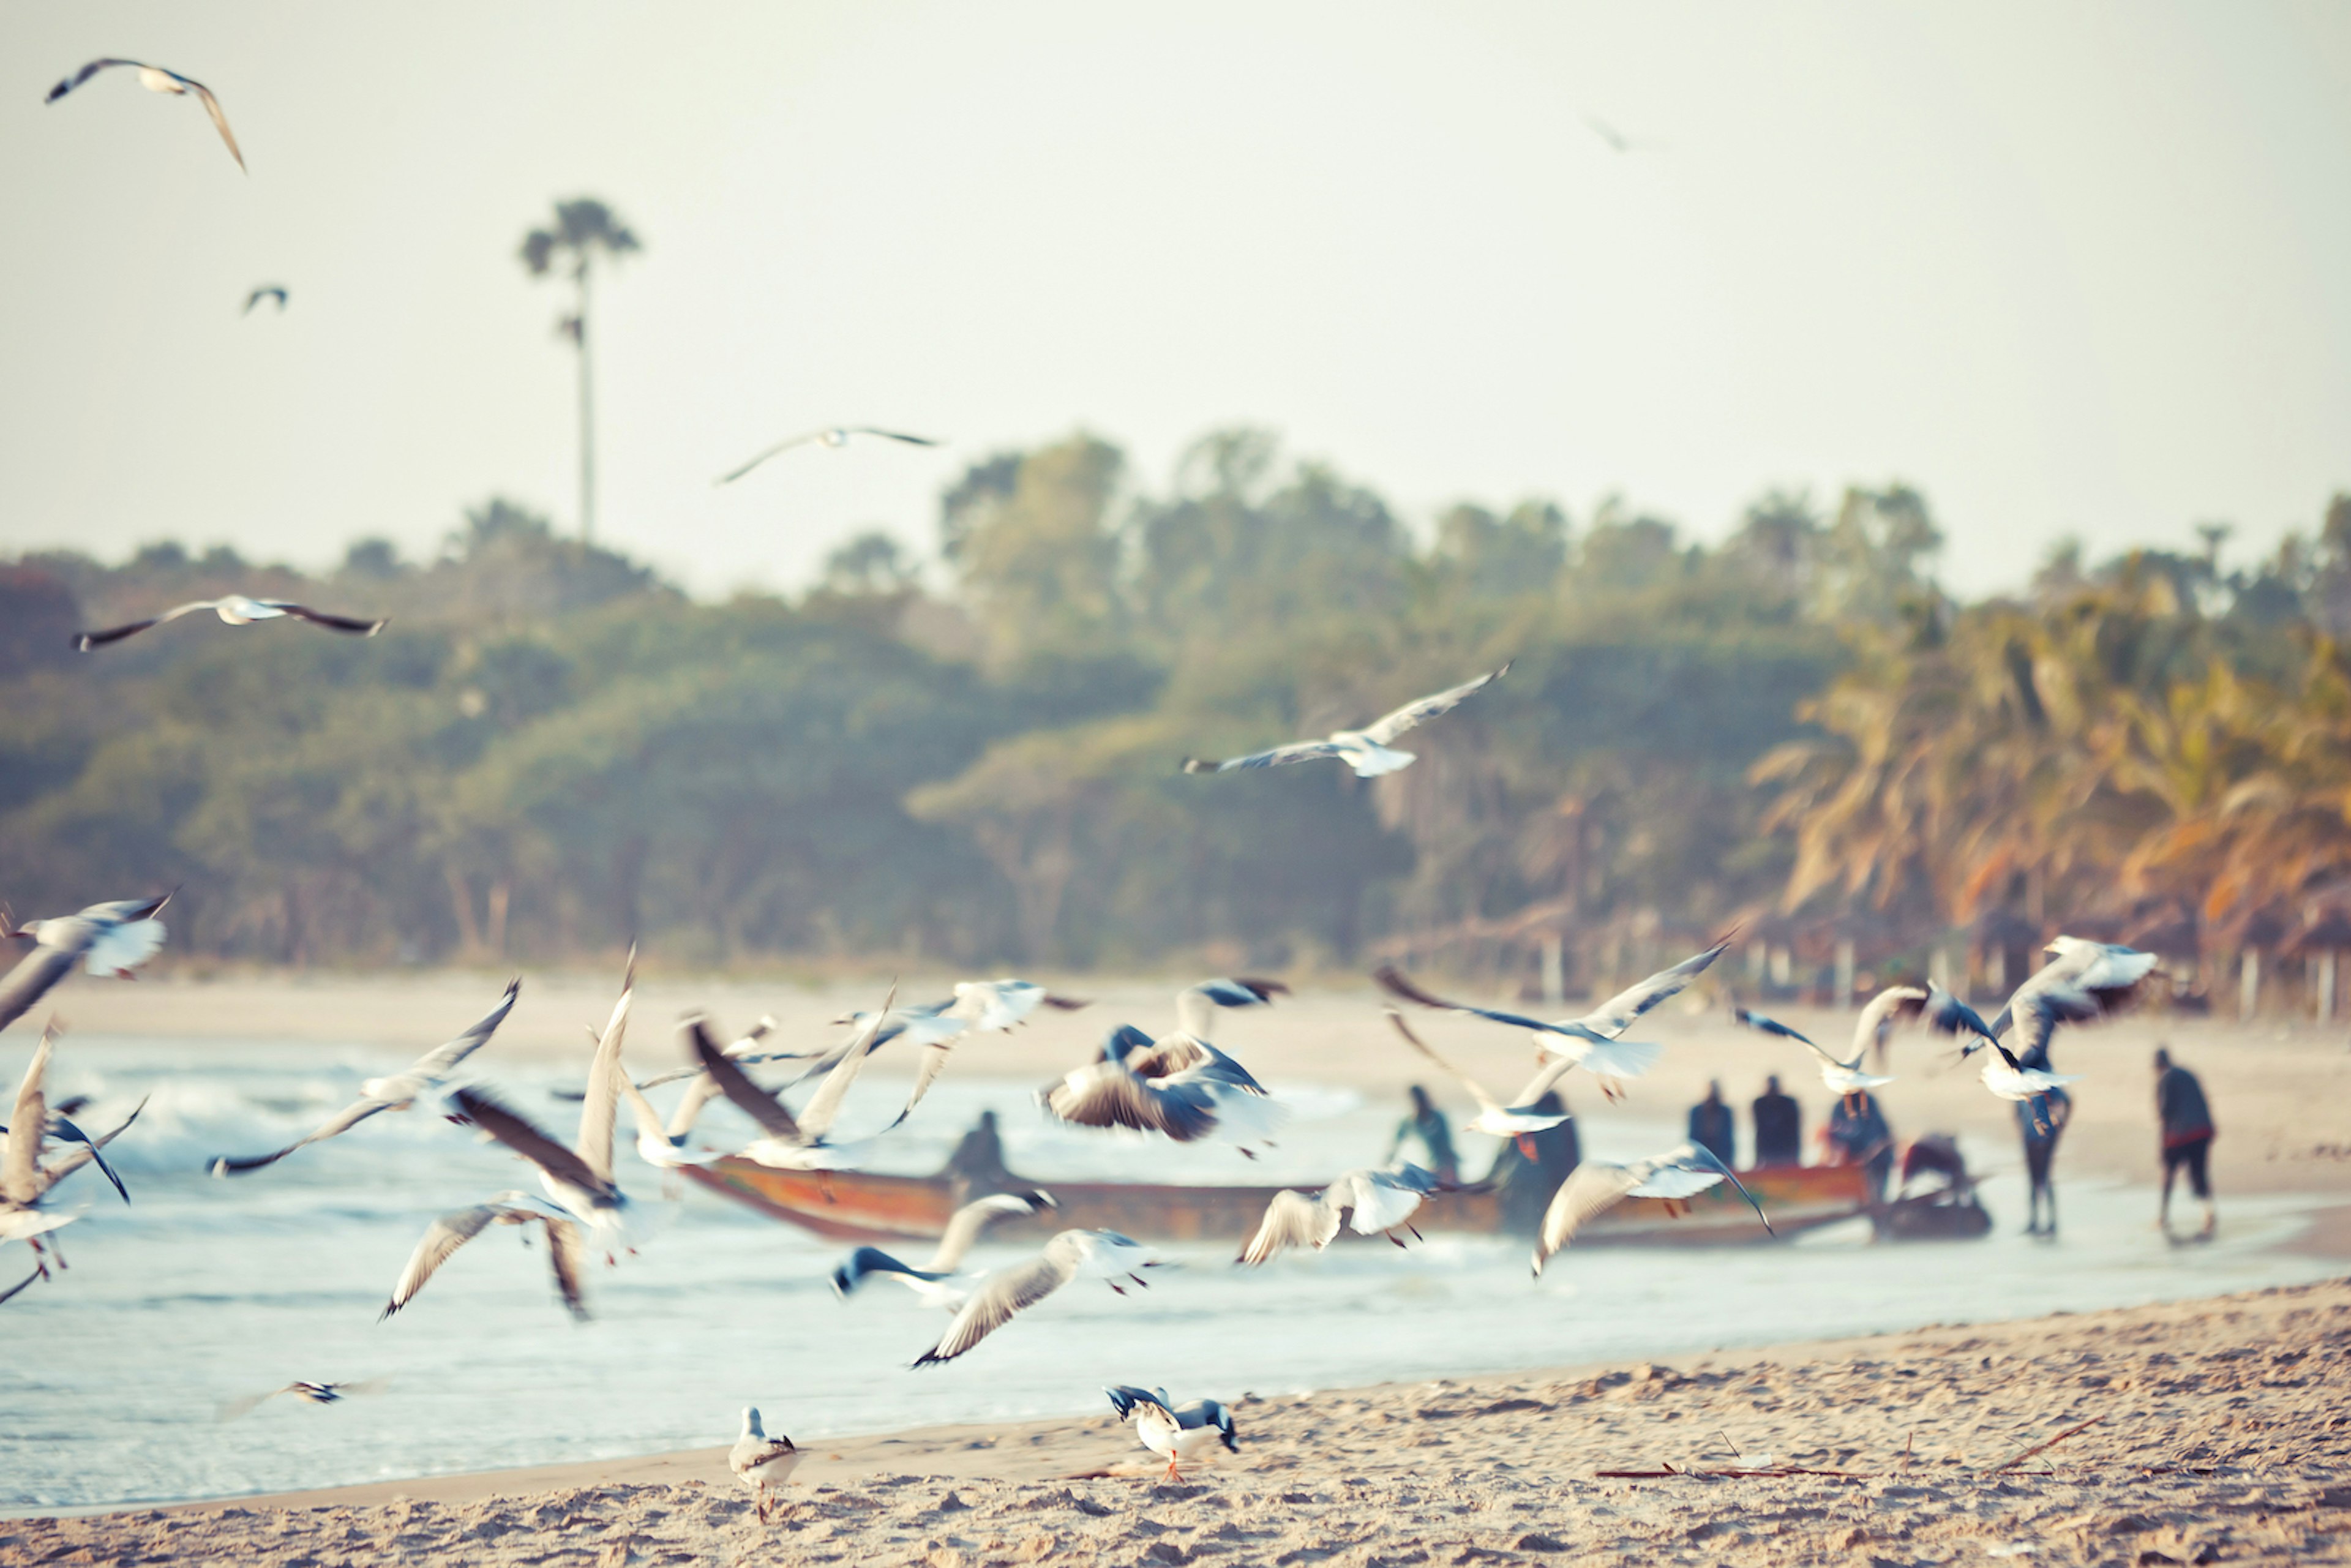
(965, 1225)
(440, 1062)
(342, 1121)
(1293, 1219)
(601, 1109)
(781, 446)
(741, 1092)
(1297, 752)
(1615, 1016)
(89, 70)
(1894, 1005)
(1380, 1202)
(1592, 1189)
(1105, 1094)
(1673, 1180)
(120, 948)
(567, 1257)
(31, 979)
(1610, 1059)
(86, 1152)
(86, 640)
(441, 1239)
(1476, 1089)
(818, 1115)
(220, 120)
(20, 1174)
(1002, 1296)
(1420, 710)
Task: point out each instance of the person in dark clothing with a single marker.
(2040, 1120)
(1857, 1134)
(977, 1164)
(1527, 1185)
(1778, 1127)
(1426, 1124)
(2186, 1122)
(1712, 1127)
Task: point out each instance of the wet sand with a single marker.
(2215, 1431)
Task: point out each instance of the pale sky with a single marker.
(2080, 269)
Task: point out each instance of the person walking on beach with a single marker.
(1426, 1124)
(2186, 1122)
(1779, 1126)
(1712, 1127)
(2040, 1120)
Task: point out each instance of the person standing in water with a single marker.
(1857, 1134)
(2040, 1120)
(2187, 1133)
(1426, 1124)
(1712, 1127)
(1779, 1126)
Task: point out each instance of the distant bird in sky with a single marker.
(1369, 1202)
(105, 938)
(237, 611)
(267, 291)
(1173, 1434)
(760, 1461)
(397, 1092)
(1102, 1255)
(834, 435)
(566, 1250)
(1518, 1119)
(935, 1281)
(1366, 751)
(156, 78)
(312, 1393)
(1595, 1187)
(1179, 1086)
(1617, 140)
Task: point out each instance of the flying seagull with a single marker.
(1596, 1186)
(399, 1092)
(1369, 1202)
(1519, 1120)
(237, 611)
(1102, 1255)
(105, 938)
(1366, 751)
(1180, 1086)
(1617, 140)
(788, 1141)
(2083, 981)
(314, 1393)
(1173, 1434)
(835, 436)
(1196, 1006)
(156, 78)
(935, 1281)
(760, 1461)
(24, 1180)
(978, 1006)
(267, 291)
(1591, 1041)
(567, 1249)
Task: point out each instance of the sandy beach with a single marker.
(2198, 1432)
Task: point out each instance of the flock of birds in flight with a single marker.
(1179, 1086)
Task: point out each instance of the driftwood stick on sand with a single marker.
(2016, 1459)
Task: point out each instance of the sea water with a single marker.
(201, 1291)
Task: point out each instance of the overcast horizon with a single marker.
(2070, 273)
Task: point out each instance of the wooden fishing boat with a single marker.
(860, 1206)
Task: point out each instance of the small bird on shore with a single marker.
(1366, 751)
(1369, 1202)
(313, 1393)
(157, 78)
(105, 938)
(760, 1461)
(397, 1092)
(935, 1281)
(1181, 1087)
(236, 609)
(835, 436)
(1595, 1187)
(1519, 1120)
(1173, 1434)
(1103, 1255)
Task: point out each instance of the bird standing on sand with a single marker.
(1180, 1086)
(935, 1281)
(313, 1393)
(1366, 751)
(237, 611)
(1103, 1255)
(397, 1092)
(1173, 1434)
(760, 1461)
(1595, 1187)
(156, 78)
(105, 938)
(835, 436)
(1370, 1202)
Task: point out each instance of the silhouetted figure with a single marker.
(976, 1167)
(1527, 1185)
(2041, 1121)
(1712, 1127)
(1857, 1134)
(1426, 1124)
(2188, 1131)
(1779, 1126)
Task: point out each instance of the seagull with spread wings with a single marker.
(25, 1180)
(1592, 1041)
(1366, 751)
(1368, 1202)
(978, 1006)
(1595, 1187)
(1103, 1255)
(786, 1141)
(105, 938)
(2084, 982)
(567, 1247)
(936, 1280)
(237, 611)
(1174, 1433)
(1180, 1086)
(834, 436)
(157, 78)
(1519, 1120)
(310, 1393)
(267, 291)
(396, 1091)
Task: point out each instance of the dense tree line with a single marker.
(549, 750)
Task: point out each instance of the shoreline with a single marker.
(2200, 1431)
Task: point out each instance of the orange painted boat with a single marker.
(860, 1206)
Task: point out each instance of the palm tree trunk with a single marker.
(587, 417)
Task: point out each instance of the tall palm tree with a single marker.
(584, 229)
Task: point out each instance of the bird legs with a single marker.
(1173, 1473)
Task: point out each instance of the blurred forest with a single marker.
(550, 750)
